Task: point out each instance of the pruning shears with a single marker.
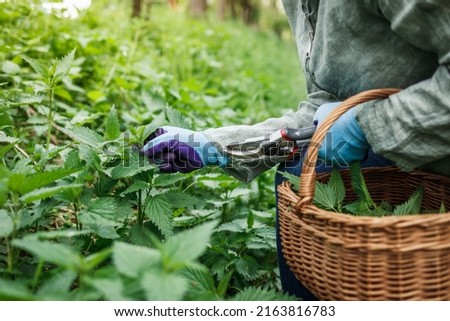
(281, 143)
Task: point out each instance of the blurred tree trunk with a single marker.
(221, 9)
(249, 11)
(137, 8)
(197, 8)
(233, 8)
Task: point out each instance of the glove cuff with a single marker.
(209, 154)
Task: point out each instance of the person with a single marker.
(346, 47)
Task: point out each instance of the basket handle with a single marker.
(308, 175)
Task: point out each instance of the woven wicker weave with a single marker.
(346, 257)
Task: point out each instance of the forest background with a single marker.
(85, 217)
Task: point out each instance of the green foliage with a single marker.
(412, 205)
(83, 216)
(331, 196)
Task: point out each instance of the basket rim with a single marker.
(382, 221)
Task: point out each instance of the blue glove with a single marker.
(345, 142)
(175, 149)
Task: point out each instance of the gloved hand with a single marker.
(175, 149)
(345, 142)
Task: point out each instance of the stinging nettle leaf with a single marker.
(112, 125)
(26, 183)
(158, 210)
(337, 183)
(64, 64)
(201, 284)
(412, 205)
(175, 118)
(258, 294)
(58, 286)
(135, 164)
(6, 224)
(56, 253)
(46, 192)
(293, 179)
(168, 179)
(359, 184)
(133, 261)
(161, 286)
(188, 245)
(326, 196)
(84, 135)
(37, 66)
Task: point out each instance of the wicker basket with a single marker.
(346, 257)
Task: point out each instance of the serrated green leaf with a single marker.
(412, 205)
(359, 184)
(236, 226)
(133, 261)
(57, 234)
(179, 199)
(134, 165)
(136, 186)
(58, 286)
(6, 224)
(337, 183)
(148, 129)
(325, 196)
(175, 118)
(201, 284)
(23, 184)
(14, 290)
(140, 235)
(356, 208)
(224, 282)
(112, 125)
(161, 286)
(294, 180)
(37, 66)
(56, 253)
(46, 192)
(84, 135)
(158, 210)
(258, 294)
(112, 289)
(188, 245)
(168, 179)
(94, 260)
(64, 64)
(90, 157)
(105, 206)
(442, 209)
(101, 216)
(248, 267)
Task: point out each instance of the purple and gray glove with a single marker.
(175, 149)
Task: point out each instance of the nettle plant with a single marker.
(331, 196)
(91, 219)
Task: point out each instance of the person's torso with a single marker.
(348, 46)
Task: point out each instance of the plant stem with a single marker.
(51, 113)
(140, 212)
(37, 274)
(75, 213)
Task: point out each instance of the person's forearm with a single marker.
(412, 128)
(223, 136)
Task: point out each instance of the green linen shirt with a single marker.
(348, 46)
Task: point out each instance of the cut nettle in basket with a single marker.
(330, 196)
